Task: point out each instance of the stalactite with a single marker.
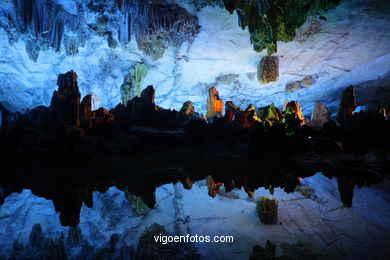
(155, 26)
(43, 20)
(270, 21)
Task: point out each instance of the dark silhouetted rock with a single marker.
(320, 115)
(86, 108)
(347, 107)
(66, 100)
(35, 235)
(267, 253)
(346, 186)
(75, 238)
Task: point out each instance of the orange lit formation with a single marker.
(214, 104)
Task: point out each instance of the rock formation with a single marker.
(250, 116)
(270, 114)
(268, 70)
(233, 112)
(293, 108)
(131, 86)
(86, 108)
(320, 115)
(187, 109)
(39, 247)
(66, 100)
(347, 107)
(212, 186)
(214, 104)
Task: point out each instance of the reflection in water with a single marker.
(74, 184)
(66, 152)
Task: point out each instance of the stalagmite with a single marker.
(233, 112)
(214, 104)
(86, 108)
(270, 114)
(320, 115)
(250, 116)
(131, 86)
(347, 107)
(66, 101)
(293, 108)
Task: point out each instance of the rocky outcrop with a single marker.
(131, 86)
(214, 104)
(268, 70)
(65, 102)
(320, 115)
(267, 209)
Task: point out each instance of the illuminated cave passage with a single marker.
(265, 121)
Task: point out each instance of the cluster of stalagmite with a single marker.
(266, 115)
(144, 146)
